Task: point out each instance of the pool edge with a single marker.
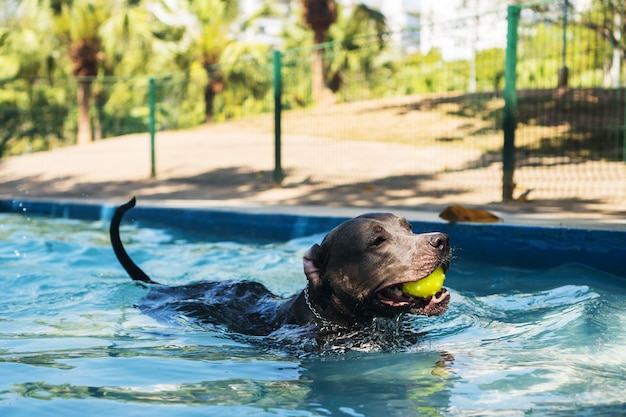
(500, 243)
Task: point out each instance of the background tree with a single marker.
(608, 19)
(318, 15)
(215, 18)
(143, 38)
(113, 37)
(27, 49)
(359, 39)
(27, 68)
(216, 48)
(77, 23)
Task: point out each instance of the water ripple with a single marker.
(514, 341)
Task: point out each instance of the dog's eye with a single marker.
(378, 241)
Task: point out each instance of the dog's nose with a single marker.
(439, 241)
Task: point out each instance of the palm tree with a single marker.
(78, 23)
(318, 15)
(26, 54)
(120, 37)
(359, 38)
(25, 45)
(214, 44)
(142, 39)
(215, 18)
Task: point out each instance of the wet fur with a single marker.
(346, 273)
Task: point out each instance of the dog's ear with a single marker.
(310, 261)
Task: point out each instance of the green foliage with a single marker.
(490, 69)
(297, 79)
(588, 55)
(354, 54)
(32, 116)
(189, 48)
(421, 73)
(248, 82)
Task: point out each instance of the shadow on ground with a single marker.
(227, 184)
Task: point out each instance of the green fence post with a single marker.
(563, 73)
(624, 133)
(278, 108)
(152, 123)
(509, 119)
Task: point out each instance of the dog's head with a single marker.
(357, 272)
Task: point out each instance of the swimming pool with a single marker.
(527, 333)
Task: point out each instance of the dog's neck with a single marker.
(325, 324)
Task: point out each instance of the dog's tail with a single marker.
(114, 231)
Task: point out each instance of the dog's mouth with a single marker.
(395, 296)
(429, 306)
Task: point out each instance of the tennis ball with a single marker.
(426, 287)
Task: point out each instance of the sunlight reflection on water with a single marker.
(513, 341)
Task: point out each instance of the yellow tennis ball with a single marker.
(426, 287)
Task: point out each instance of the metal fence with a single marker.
(569, 141)
(425, 110)
(427, 106)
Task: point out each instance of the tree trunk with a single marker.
(317, 75)
(209, 97)
(321, 95)
(215, 85)
(616, 61)
(84, 123)
(97, 123)
(318, 15)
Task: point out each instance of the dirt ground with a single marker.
(211, 165)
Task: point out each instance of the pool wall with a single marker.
(500, 244)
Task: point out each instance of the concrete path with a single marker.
(209, 166)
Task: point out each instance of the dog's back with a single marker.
(245, 307)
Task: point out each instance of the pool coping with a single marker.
(506, 243)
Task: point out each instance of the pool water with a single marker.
(72, 343)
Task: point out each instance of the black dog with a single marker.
(354, 276)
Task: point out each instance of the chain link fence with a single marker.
(571, 127)
(40, 114)
(427, 105)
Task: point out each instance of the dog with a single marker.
(354, 276)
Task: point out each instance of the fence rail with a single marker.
(497, 104)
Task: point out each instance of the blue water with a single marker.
(514, 342)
